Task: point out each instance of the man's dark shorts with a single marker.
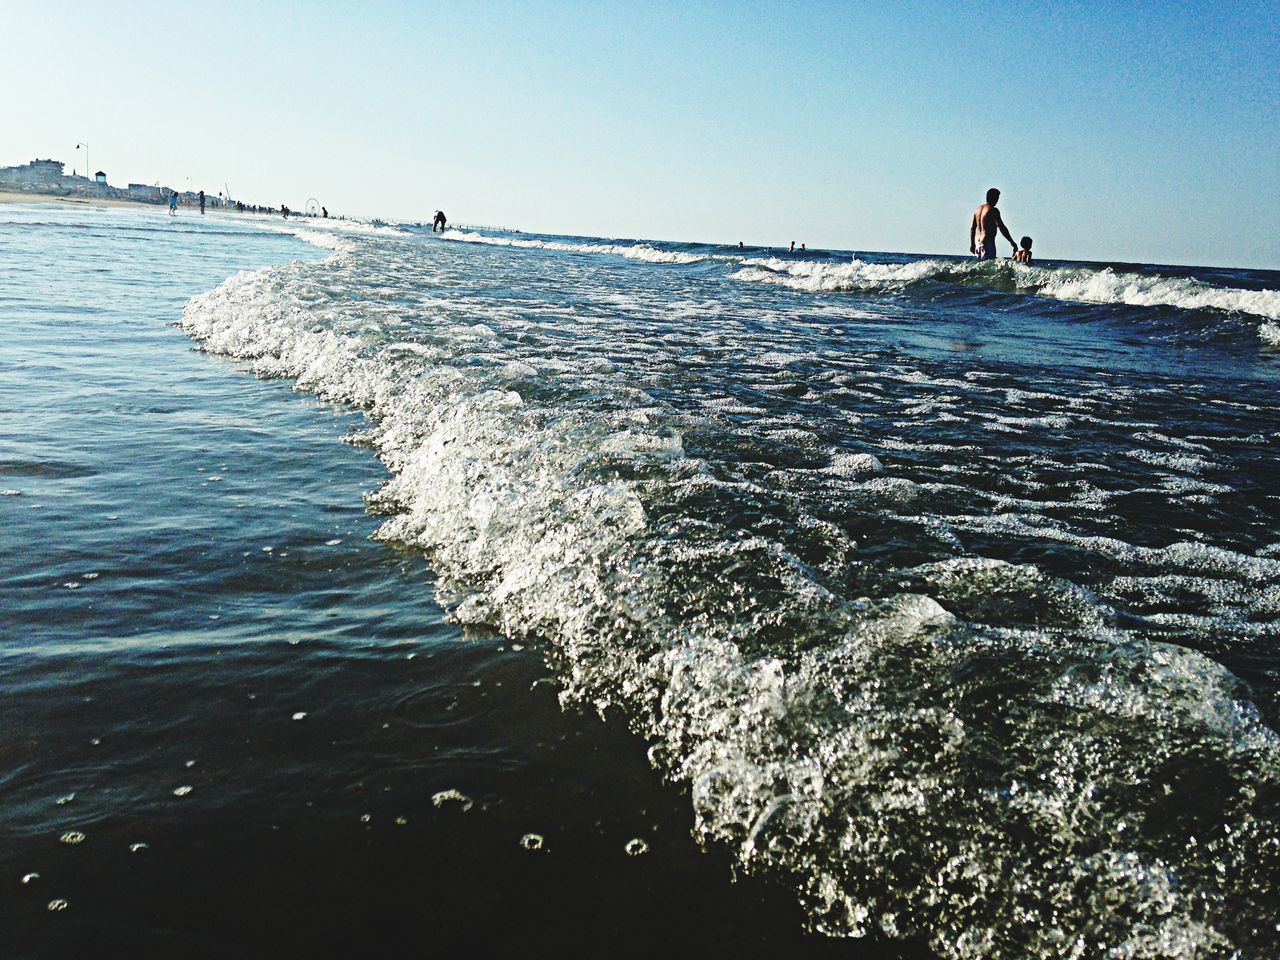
(987, 251)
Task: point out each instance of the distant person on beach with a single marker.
(982, 228)
(173, 204)
(285, 211)
(324, 212)
(202, 203)
(439, 220)
(1023, 255)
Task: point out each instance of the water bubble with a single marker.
(451, 796)
(365, 817)
(138, 847)
(214, 616)
(190, 764)
(401, 821)
(636, 847)
(113, 516)
(56, 905)
(531, 841)
(72, 585)
(66, 799)
(90, 576)
(31, 877)
(332, 543)
(183, 790)
(300, 715)
(72, 837)
(10, 493)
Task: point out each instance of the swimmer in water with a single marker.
(982, 228)
(1023, 255)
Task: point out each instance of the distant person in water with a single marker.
(439, 220)
(324, 213)
(173, 204)
(202, 203)
(802, 248)
(792, 249)
(739, 244)
(285, 211)
(982, 228)
(1023, 255)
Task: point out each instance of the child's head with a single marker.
(1026, 243)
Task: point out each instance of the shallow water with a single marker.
(943, 595)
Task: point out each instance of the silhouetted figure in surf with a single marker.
(982, 228)
(792, 248)
(202, 203)
(740, 245)
(439, 220)
(1023, 255)
(324, 213)
(802, 248)
(173, 203)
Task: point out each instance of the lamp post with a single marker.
(88, 170)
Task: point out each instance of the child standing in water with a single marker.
(1023, 255)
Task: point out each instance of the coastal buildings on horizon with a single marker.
(49, 178)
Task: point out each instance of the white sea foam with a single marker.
(330, 234)
(632, 251)
(913, 759)
(1082, 284)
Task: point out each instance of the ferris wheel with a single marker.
(313, 207)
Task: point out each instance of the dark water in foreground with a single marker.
(943, 596)
(153, 478)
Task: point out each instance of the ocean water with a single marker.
(498, 590)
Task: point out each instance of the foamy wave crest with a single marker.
(335, 235)
(318, 238)
(1082, 284)
(978, 756)
(632, 251)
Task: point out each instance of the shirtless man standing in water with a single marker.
(982, 230)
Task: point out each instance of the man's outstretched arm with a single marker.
(1007, 235)
(973, 229)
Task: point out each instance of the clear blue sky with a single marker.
(1124, 131)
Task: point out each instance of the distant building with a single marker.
(100, 177)
(37, 173)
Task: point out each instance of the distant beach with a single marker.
(13, 196)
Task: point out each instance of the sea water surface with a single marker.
(936, 601)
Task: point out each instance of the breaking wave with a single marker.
(963, 748)
(632, 251)
(1081, 284)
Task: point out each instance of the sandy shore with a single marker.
(7, 196)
